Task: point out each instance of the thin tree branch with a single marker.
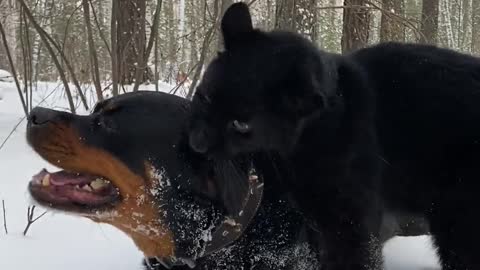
(174, 89)
(100, 32)
(69, 67)
(11, 132)
(4, 217)
(12, 66)
(142, 62)
(41, 215)
(23, 118)
(52, 54)
(203, 54)
(251, 2)
(30, 219)
(67, 25)
(156, 21)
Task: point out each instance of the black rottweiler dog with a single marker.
(394, 126)
(127, 164)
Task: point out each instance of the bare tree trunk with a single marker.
(182, 66)
(306, 18)
(268, 19)
(429, 22)
(142, 66)
(476, 27)
(224, 5)
(205, 44)
(391, 29)
(464, 28)
(131, 40)
(24, 56)
(100, 28)
(12, 68)
(196, 12)
(284, 15)
(156, 59)
(126, 27)
(154, 28)
(356, 22)
(115, 51)
(92, 50)
(172, 40)
(154, 32)
(298, 16)
(29, 76)
(448, 38)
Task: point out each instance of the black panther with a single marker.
(392, 127)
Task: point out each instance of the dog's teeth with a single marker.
(87, 188)
(46, 180)
(98, 183)
(78, 186)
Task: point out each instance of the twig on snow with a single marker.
(30, 219)
(4, 217)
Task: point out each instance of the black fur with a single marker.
(394, 127)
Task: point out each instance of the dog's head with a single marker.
(126, 164)
(254, 95)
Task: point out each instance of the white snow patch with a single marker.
(5, 76)
(161, 180)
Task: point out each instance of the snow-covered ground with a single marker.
(5, 76)
(59, 242)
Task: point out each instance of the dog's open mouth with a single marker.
(73, 191)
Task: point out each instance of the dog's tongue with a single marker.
(64, 187)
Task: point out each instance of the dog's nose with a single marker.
(198, 141)
(39, 116)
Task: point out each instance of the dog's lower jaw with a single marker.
(145, 229)
(150, 241)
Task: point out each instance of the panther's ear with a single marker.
(236, 22)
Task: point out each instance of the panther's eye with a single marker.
(241, 127)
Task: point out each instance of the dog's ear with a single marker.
(236, 22)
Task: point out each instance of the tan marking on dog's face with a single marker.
(136, 214)
(139, 219)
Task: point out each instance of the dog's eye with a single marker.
(241, 127)
(101, 122)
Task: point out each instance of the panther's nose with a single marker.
(40, 116)
(198, 141)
